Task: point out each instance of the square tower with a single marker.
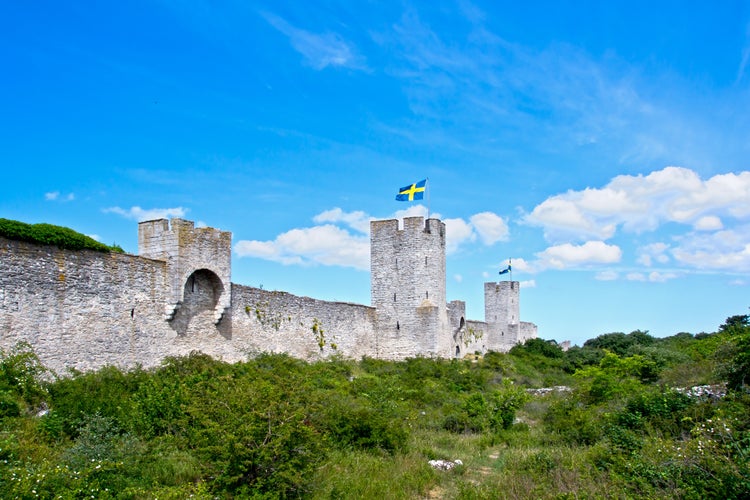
(190, 253)
(502, 313)
(408, 287)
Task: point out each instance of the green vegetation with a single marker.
(277, 427)
(47, 234)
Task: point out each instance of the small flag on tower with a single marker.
(506, 270)
(412, 191)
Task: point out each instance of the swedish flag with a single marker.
(412, 191)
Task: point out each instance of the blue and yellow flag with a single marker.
(412, 191)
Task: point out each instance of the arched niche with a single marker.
(200, 296)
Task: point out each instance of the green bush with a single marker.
(48, 234)
(278, 427)
(107, 392)
(21, 379)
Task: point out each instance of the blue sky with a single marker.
(603, 146)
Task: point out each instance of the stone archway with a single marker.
(201, 294)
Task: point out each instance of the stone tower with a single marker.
(198, 267)
(408, 288)
(502, 313)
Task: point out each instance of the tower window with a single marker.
(394, 297)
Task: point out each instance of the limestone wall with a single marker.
(86, 309)
(270, 321)
(82, 309)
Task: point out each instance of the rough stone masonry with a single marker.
(86, 309)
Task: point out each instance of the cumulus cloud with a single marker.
(528, 284)
(708, 223)
(141, 214)
(356, 220)
(457, 231)
(644, 202)
(568, 255)
(490, 227)
(342, 238)
(327, 245)
(519, 264)
(721, 250)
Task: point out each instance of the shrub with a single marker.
(107, 392)
(21, 375)
(48, 234)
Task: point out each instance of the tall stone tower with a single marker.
(502, 313)
(408, 288)
(198, 266)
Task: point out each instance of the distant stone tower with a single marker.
(408, 288)
(502, 313)
(198, 270)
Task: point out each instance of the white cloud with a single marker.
(606, 276)
(528, 284)
(708, 223)
(490, 227)
(319, 50)
(642, 203)
(722, 250)
(94, 237)
(519, 264)
(569, 255)
(457, 231)
(356, 220)
(653, 251)
(140, 214)
(458, 278)
(327, 245)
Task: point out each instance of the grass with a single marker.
(276, 427)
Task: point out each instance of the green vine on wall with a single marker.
(265, 317)
(319, 333)
(472, 335)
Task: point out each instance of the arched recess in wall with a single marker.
(201, 293)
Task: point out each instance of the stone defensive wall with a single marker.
(83, 309)
(86, 309)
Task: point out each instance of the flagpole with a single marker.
(427, 188)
